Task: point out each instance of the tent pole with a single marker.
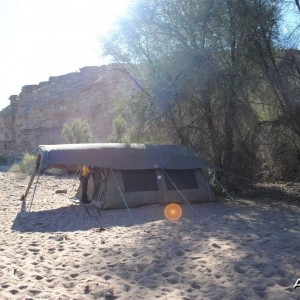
(179, 191)
(101, 188)
(23, 197)
(72, 180)
(164, 189)
(224, 190)
(123, 198)
(34, 190)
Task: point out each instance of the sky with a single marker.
(43, 38)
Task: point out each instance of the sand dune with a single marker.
(222, 251)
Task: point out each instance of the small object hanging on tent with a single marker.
(173, 211)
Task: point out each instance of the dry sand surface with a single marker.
(222, 251)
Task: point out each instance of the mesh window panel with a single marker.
(183, 179)
(139, 180)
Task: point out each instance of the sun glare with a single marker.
(173, 212)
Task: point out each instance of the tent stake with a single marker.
(121, 194)
(179, 192)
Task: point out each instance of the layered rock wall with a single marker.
(37, 115)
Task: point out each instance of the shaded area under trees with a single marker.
(212, 75)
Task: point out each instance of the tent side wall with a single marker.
(201, 194)
(113, 199)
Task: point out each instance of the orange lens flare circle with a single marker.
(173, 212)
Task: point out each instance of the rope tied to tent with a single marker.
(123, 198)
(179, 192)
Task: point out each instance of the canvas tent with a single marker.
(131, 175)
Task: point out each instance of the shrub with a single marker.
(78, 132)
(26, 165)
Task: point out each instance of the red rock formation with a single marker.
(37, 115)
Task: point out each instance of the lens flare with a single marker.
(173, 211)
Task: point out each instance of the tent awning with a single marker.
(121, 156)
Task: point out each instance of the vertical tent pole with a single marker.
(103, 186)
(179, 192)
(99, 192)
(123, 198)
(164, 186)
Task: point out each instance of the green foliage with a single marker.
(119, 129)
(26, 165)
(208, 76)
(78, 132)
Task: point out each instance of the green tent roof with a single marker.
(121, 156)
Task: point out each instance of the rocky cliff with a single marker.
(37, 115)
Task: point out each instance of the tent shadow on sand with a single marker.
(74, 218)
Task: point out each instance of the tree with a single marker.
(200, 68)
(77, 132)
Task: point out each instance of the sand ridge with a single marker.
(224, 251)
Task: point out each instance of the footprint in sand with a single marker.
(179, 253)
(269, 271)
(141, 267)
(172, 280)
(34, 292)
(240, 269)
(171, 277)
(14, 292)
(195, 285)
(157, 270)
(5, 286)
(215, 245)
(34, 251)
(76, 266)
(180, 269)
(107, 277)
(259, 290)
(23, 287)
(284, 282)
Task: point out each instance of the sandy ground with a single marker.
(222, 251)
